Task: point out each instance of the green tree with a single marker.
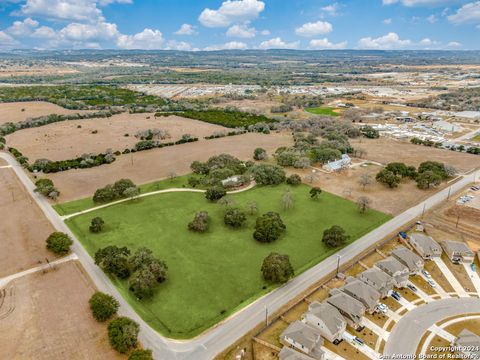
(199, 222)
(388, 178)
(199, 168)
(276, 268)
(142, 283)
(123, 334)
(104, 195)
(215, 193)
(428, 178)
(325, 155)
(59, 243)
(266, 174)
(269, 227)
(259, 154)
(131, 192)
(141, 355)
(294, 180)
(435, 167)
(335, 236)
(103, 306)
(121, 185)
(96, 225)
(234, 218)
(46, 188)
(143, 258)
(114, 260)
(370, 132)
(315, 193)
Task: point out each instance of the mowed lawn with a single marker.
(213, 274)
(328, 111)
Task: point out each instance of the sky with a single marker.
(194, 25)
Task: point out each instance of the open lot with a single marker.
(223, 259)
(24, 231)
(386, 150)
(20, 111)
(46, 316)
(66, 140)
(147, 166)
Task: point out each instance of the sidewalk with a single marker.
(450, 277)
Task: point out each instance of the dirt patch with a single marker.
(382, 198)
(386, 150)
(71, 139)
(24, 231)
(147, 166)
(19, 111)
(51, 318)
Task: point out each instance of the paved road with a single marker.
(407, 333)
(209, 344)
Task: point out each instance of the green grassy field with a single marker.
(212, 275)
(328, 111)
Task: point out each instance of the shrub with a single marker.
(96, 225)
(46, 188)
(141, 355)
(215, 193)
(59, 243)
(199, 223)
(294, 180)
(276, 268)
(103, 306)
(269, 227)
(259, 154)
(114, 260)
(234, 218)
(123, 333)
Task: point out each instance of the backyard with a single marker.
(212, 275)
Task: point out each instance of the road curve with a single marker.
(407, 333)
(215, 340)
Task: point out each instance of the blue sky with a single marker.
(240, 24)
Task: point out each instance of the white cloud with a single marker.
(312, 29)
(22, 28)
(386, 42)
(432, 19)
(417, 2)
(387, 21)
(454, 44)
(230, 12)
(148, 39)
(241, 31)
(468, 13)
(278, 43)
(331, 9)
(89, 32)
(74, 10)
(178, 45)
(232, 45)
(326, 44)
(265, 32)
(44, 32)
(186, 29)
(6, 41)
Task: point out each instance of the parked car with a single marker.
(412, 287)
(426, 274)
(396, 293)
(431, 283)
(359, 341)
(395, 296)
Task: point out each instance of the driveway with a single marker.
(407, 333)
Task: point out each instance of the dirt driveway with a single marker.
(66, 140)
(147, 166)
(46, 316)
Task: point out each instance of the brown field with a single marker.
(24, 231)
(12, 112)
(65, 140)
(51, 318)
(147, 166)
(390, 201)
(386, 150)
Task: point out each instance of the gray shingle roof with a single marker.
(347, 304)
(333, 320)
(303, 334)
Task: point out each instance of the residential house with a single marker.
(337, 165)
(379, 280)
(468, 345)
(327, 319)
(362, 292)
(305, 338)
(289, 354)
(458, 251)
(398, 271)
(412, 261)
(352, 310)
(425, 245)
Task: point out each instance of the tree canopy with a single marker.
(335, 236)
(276, 268)
(269, 227)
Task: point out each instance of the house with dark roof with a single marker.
(398, 271)
(362, 292)
(327, 319)
(351, 309)
(412, 261)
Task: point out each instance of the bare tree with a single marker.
(172, 176)
(310, 178)
(365, 180)
(227, 201)
(363, 204)
(252, 207)
(287, 200)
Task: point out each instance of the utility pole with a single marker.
(338, 264)
(266, 316)
(458, 219)
(449, 191)
(424, 207)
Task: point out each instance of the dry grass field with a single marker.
(70, 139)
(386, 150)
(20, 111)
(46, 316)
(24, 231)
(147, 166)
